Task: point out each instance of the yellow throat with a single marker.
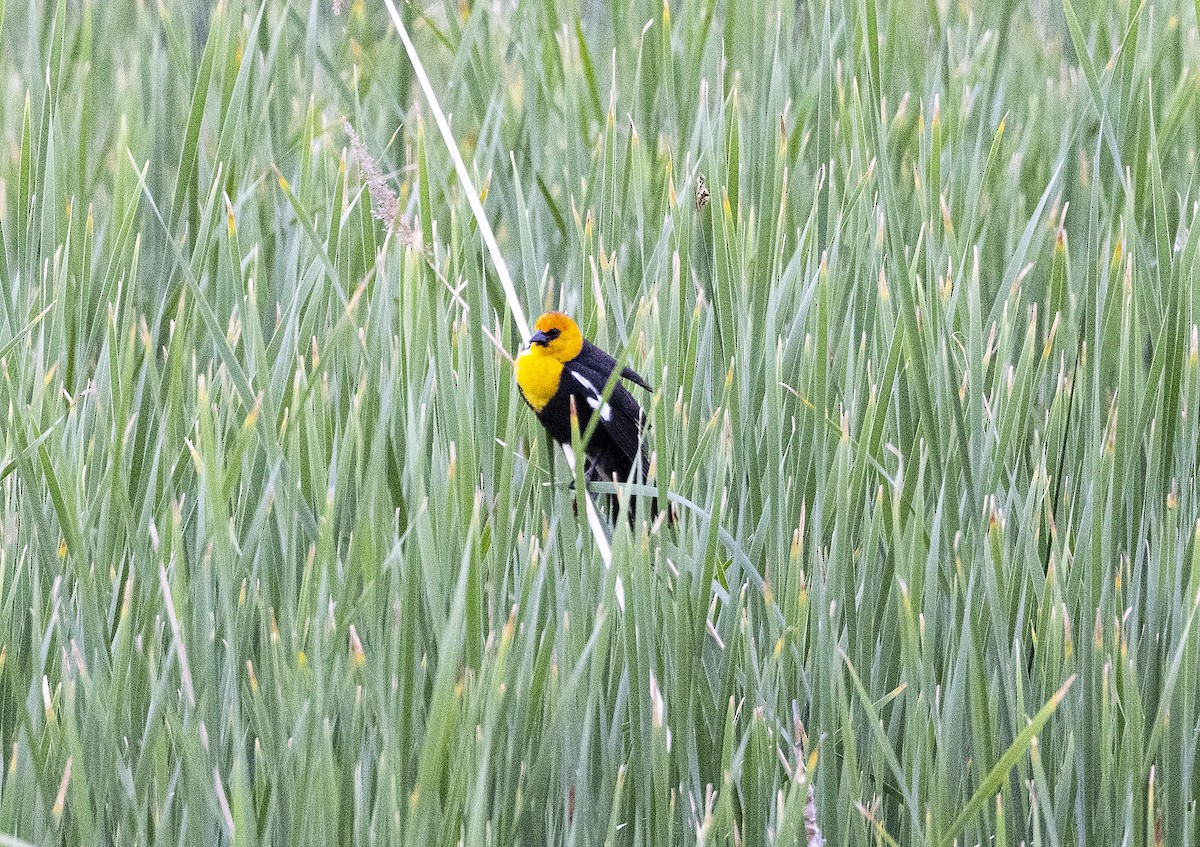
(538, 375)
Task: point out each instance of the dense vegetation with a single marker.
(284, 559)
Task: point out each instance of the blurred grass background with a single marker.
(278, 560)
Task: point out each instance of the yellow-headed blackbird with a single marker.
(561, 365)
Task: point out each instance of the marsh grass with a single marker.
(285, 559)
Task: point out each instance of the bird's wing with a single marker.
(636, 378)
(602, 361)
(621, 416)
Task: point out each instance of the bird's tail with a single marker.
(598, 472)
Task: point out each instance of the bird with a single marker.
(560, 365)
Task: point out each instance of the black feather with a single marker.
(604, 362)
(616, 445)
(616, 450)
(625, 421)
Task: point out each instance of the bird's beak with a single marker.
(538, 337)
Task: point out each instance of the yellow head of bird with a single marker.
(557, 336)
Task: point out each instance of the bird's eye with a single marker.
(553, 334)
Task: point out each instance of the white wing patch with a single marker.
(594, 399)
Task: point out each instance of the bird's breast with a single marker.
(538, 377)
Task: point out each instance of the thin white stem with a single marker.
(485, 228)
(489, 239)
